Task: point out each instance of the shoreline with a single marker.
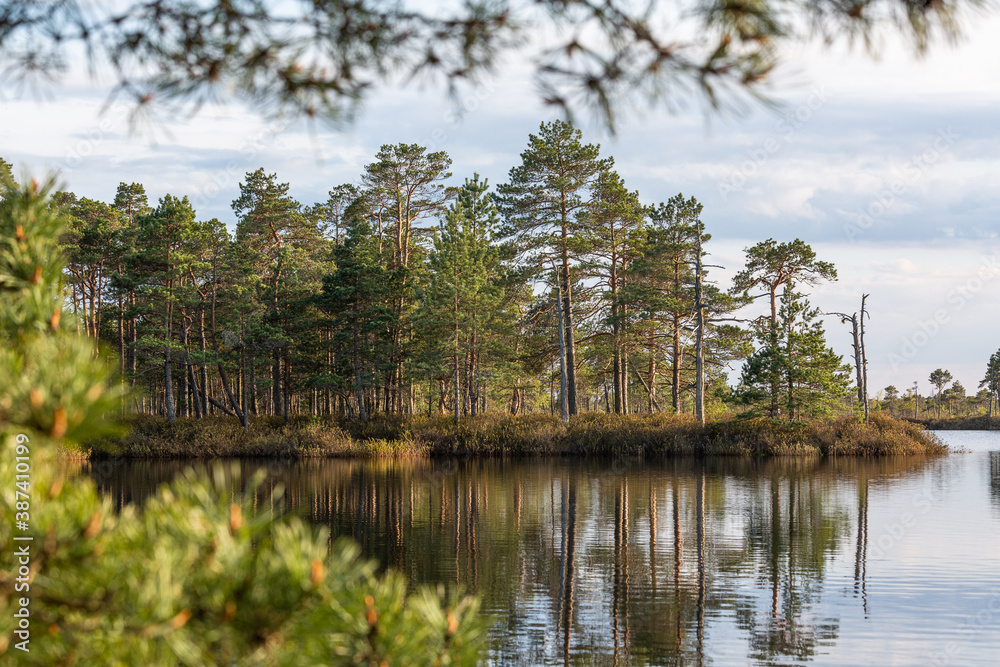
(980, 423)
(499, 435)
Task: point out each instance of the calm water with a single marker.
(681, 562)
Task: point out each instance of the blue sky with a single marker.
(889, 168)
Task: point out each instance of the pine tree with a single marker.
(770, 266)
(461, 301)
(402, 187)
(166, 241)
(664, 293)
(329, 215)
(608, 240)
(811, 376)
(938, 379)
(131, 204)
(668, 275)
(92, 258)
(278, 243)
(357, 297)
(540, 204)
(991, 381)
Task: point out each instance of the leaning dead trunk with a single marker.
(864, 357)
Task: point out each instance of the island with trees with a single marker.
(553, 313)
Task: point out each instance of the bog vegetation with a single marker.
(496, 434)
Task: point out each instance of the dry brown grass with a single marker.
(592, 434)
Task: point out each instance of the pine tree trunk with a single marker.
(203, 368)
(243, 386)
(858, 368)
(358, 391)
(564, 409)
(473, 394)
(182, 387)
(515, 401)
(121, 341)
(195, 397)
(652, 383)
(616, 380)
(567, 315)
(133, 339)
(675, 378)
(286, 394)
(276, 383)
(623, 369)
(168, 396)
(699, 346)
(775, 379)
(864, 357)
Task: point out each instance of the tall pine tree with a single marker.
(540, 204)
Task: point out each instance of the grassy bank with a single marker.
(595, 434)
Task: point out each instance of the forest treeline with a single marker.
(559, 290)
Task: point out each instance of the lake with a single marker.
(796, 561)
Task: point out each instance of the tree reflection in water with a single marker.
(572, 559)
(995, 478)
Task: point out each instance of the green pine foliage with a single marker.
(991, 382)
(356, 301)
(608, 243)
(811, 379)
(461, 317)
(52, 383)
(195, 578)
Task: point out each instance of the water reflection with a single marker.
(995, 478)
(586, 562)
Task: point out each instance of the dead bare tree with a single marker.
(857, 321)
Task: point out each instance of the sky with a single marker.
(890, 169)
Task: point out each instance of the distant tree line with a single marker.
(948, 401)
(400, 294)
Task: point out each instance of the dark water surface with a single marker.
(683, 561)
